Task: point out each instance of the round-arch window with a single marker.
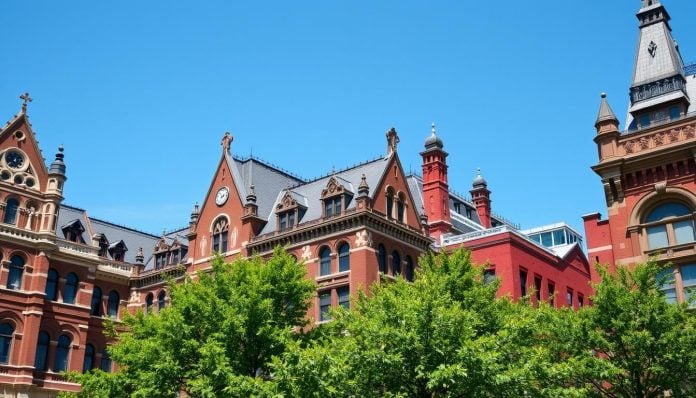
(671, 224)
(70, 288)
(161, 300)
(396, 263)
(344, 258)
(62, 354)
(382, 258)
(14, 280)
(6, 331)
(324, 261)
(88, 363)
(148, 302)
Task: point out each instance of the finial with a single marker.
(251, 195)
(26, 100)
(433, 128)
(478, 172)
(363, 188)
(227, 141)
(603, 95)
(392, 141)
(58, 166)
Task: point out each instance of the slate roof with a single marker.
(132, 238)
(169, 238)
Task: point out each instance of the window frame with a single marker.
(7, 331)
(16, 272)
(71, 288)
(51, 289)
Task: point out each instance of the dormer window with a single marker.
(73, 231)
(290, 210)
(335, 197)
(160, 260)
(118, 251)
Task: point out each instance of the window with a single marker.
(343, 258)
(333, 206)
(401, 207)
(73, 232)
(62, 354)
(14, 279)
(160, 260)
(112, 308)
(569, 297)
(396, 264)
(324, 305)
(70, 288)
(175, 257)
(552, 294)
(161, 300)
(324, 261)
(287, 219)
(52, 285)
(382, 259)
(537, 287)
(96, 305)
(581, 300)
(118, 250)
(408, 274)
(523, 283)
(666, 282)
(6, 332)
(220, 235)
(105, 364)
(11, 211)
(390, 203)
(344, 296)
(88, 363)
(41, 357)
(488, 276)
(559, 237)
(148, 303)
(674, 112)
(688, 276)
(669, 224)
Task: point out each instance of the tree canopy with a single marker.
(236, 332)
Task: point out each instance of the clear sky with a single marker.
(140, 92)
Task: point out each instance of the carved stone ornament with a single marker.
(306, 253)
(333, 188)
(652, 49)
(288, 202)
(661, 187)
(628, 146)
(689, 132)
(659, 138)
(363, 238)
(644, 142)
(135, 297)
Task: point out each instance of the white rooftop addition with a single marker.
(559, 237)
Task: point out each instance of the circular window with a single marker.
(14, 159)
(30, 182)
(19, 134)
(5, 175)
(18, 179)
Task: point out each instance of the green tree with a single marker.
(217, 337)
(631, 342)
(444, 335)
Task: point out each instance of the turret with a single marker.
(607, 126)
(54, 192)
(481, 197)
(435, 186)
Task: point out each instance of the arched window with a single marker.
(11, 211)
(105, 361)
(70, 288)
(669, 224)
(6, 332)
(161, 300)
(220, 235)
(408, 274)
(390, 202)
(324, 261)
(14, 280)
(396, 263)
(41, 357)
(88, 363)
(52, 285)
(401, 207)
(96, 306)
(343, 258)
(148, 302)
(62, 354)
(382, 259)
(112, 307)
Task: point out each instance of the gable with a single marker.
(394, 178)
(21, 161)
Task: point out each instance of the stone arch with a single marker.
(655, 198)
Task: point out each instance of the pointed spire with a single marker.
(195, 213)
(606, 114)
(363, 188)
(251, 195)
(58, 166)
(26, 100)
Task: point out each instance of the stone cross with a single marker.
(27, 99)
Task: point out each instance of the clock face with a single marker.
(221, 196)
(14, 159)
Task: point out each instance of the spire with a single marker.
(658, 73)
(363, 188)
(251, 195)
(606, 114)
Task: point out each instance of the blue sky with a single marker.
(140, 93)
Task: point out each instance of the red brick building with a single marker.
(62, 271)
(648, 169)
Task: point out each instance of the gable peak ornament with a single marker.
(392, 141)
(26, 100)
(227, 141)
(652, 49)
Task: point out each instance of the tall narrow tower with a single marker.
(435, 186)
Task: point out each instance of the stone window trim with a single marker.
(638, 228)
(288, 207)
(328, 298)
(677, 282)
(335, 193)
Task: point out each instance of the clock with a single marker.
(14, 159)
(222, 195)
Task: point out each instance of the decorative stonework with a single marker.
(657, 139)
(333, 188)
(306, 253)
(363, 239)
